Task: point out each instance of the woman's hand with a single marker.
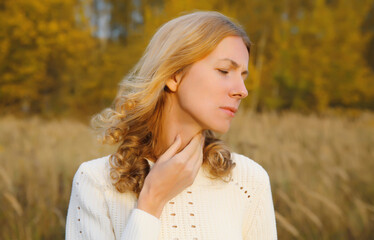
(171, 174)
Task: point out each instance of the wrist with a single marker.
(149, 203)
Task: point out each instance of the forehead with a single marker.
(233, 48)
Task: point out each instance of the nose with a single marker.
(239, 90)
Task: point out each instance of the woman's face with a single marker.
(211, 91)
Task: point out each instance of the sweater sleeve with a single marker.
(88, 215)
(263, 226)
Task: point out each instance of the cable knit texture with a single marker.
(208, 209)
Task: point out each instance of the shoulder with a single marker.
(249, 173)
(96, 171)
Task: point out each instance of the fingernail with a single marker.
(177, 137)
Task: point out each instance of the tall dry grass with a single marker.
(38, 161)
(321, 171)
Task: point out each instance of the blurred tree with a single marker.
(314, 58)
(368, 27)
(67, 56)
(40, 41)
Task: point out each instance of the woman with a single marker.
(171, 178)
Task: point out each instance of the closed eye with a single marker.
(223, 71)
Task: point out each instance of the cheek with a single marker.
(192, 96)
(200, 95)
(199, 91)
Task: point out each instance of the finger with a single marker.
(200, 146)
(190, 149)
(201, 153)
(202, 142)
(172, 150)
(195, 162)
(197, 159)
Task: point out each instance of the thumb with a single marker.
(172, 150)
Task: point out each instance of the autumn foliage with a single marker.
(307, 55)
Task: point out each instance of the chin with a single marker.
(222, 129)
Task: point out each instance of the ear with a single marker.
(173, 82)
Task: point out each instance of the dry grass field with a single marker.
(321, 171)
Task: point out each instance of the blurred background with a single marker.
(308, 119)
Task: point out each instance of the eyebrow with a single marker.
(233, 63)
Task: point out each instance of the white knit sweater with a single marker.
(208, 209)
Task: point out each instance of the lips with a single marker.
(229, 110)
(232, 109)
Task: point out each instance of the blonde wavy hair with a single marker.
(134, 118)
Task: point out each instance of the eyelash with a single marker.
(223, 71)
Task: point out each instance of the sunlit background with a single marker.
(308, 118)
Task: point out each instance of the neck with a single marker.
(175, 121)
